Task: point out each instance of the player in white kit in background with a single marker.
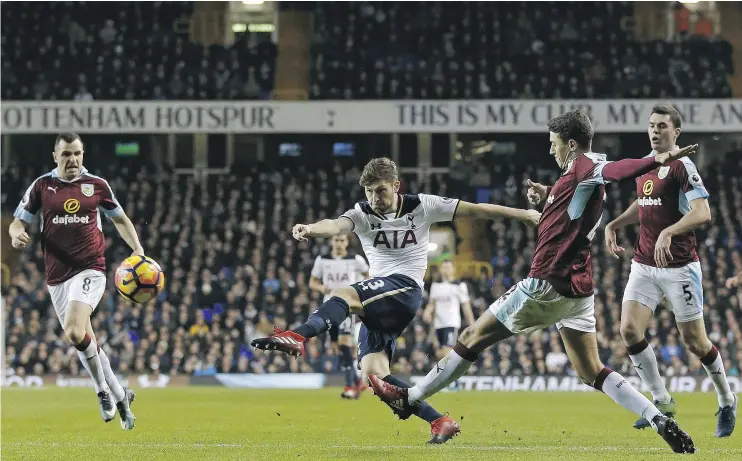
(447, 299)
(337, 270)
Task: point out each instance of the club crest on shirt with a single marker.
(88, 190)
(664, 170)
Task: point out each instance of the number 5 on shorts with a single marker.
(687, 294)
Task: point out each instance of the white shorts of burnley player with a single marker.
(559, 289)
(672, 202)
(71, 200)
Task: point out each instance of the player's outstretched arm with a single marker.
(18, 235)
(490, 211)
(126, 230)
(324, 228)
(631, 168)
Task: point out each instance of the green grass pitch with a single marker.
(229, 424)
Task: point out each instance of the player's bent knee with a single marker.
(75, 334)
(76, 321)
(588, 373)
(698, 345)
(468, 335)
(472, 337)
(694, 337)
(630, 333)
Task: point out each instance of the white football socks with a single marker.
(645, 364)
(94, 367)
(623, 393)
(447, 370)
(718, 375)
(116, 389)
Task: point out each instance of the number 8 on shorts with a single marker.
(86, 287)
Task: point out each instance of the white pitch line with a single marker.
(356, 447)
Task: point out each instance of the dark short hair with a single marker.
(378, 169)
(667, 109)
(574, 124)
(67, 137)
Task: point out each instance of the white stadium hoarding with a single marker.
(547, 383)
(408, 116)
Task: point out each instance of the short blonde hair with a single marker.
(378, 169)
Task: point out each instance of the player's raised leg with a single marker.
(331, 312)
(485, 332)
(582, 349)
(635, 317)
(508, 315)
(76, 319)
(693, 335)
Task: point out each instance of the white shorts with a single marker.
(533, 304)
(681, 286)
(87, 287)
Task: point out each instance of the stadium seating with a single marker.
(73, 50)
(361, 50)
(234, 273)
(470, 50)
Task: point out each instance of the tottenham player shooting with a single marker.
(394, 230)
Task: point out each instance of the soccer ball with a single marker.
(139, 279)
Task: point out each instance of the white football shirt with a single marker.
(448, 298)
(339, 272)
(397, 243)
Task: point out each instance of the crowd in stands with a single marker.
(234, 272)
(133, 50)
(536, 50)
(360, 50)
